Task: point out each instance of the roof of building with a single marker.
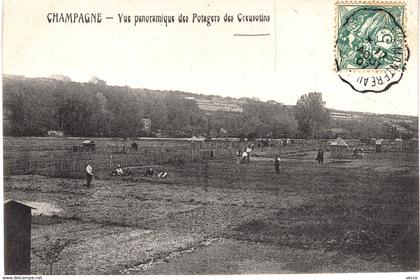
(201, 139)
(11, 201)
(339, 142)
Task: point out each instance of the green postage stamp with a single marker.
(371, 50)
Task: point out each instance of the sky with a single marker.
(295, 56)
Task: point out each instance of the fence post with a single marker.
(206, 175)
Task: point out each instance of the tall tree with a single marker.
(311, 114)
(100, 115)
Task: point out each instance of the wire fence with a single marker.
(75, 164)
(70, 163)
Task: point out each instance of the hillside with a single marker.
(34, 106)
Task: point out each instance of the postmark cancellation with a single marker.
(371, 47)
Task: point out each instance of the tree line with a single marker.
(34, 106)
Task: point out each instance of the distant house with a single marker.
(334, 132)
(339, 148)
(197, 139)
(55, 133)
(274, 102)
(218, 105)
(89, 145)
(223, 130)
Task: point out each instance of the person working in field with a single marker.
(134, 146)
(277, 164)
(244, 157)
(149, 172)
(89, 173)
(162, 175)
(118, 171)
(239, 156)
(248, 151)
(320, 156)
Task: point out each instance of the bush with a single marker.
(50, 253)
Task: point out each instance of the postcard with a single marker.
(210, 138)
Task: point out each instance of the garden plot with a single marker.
(222, 217)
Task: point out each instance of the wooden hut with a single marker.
(17, 238)
(339, 148)
(89, 145)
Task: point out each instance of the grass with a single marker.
(330, 216)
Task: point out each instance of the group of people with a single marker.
(245, 155)
(150, 172)
(119, 171)
(245, 158)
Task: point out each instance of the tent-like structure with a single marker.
(339, 148)
(197, 139)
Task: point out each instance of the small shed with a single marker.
(55, 133)
(89, 145)
(197, 139)
(17, 238)
(339, 148)
(223, 130)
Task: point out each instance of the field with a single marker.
(219, 217)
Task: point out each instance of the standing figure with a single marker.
(134, 146)
(239, 156)
(320, 156)
(277, 164)
(244, 157)
(89, 173)
(248, 151)
(149, 172)
(239, 153)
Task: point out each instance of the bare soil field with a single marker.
(219, 217)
